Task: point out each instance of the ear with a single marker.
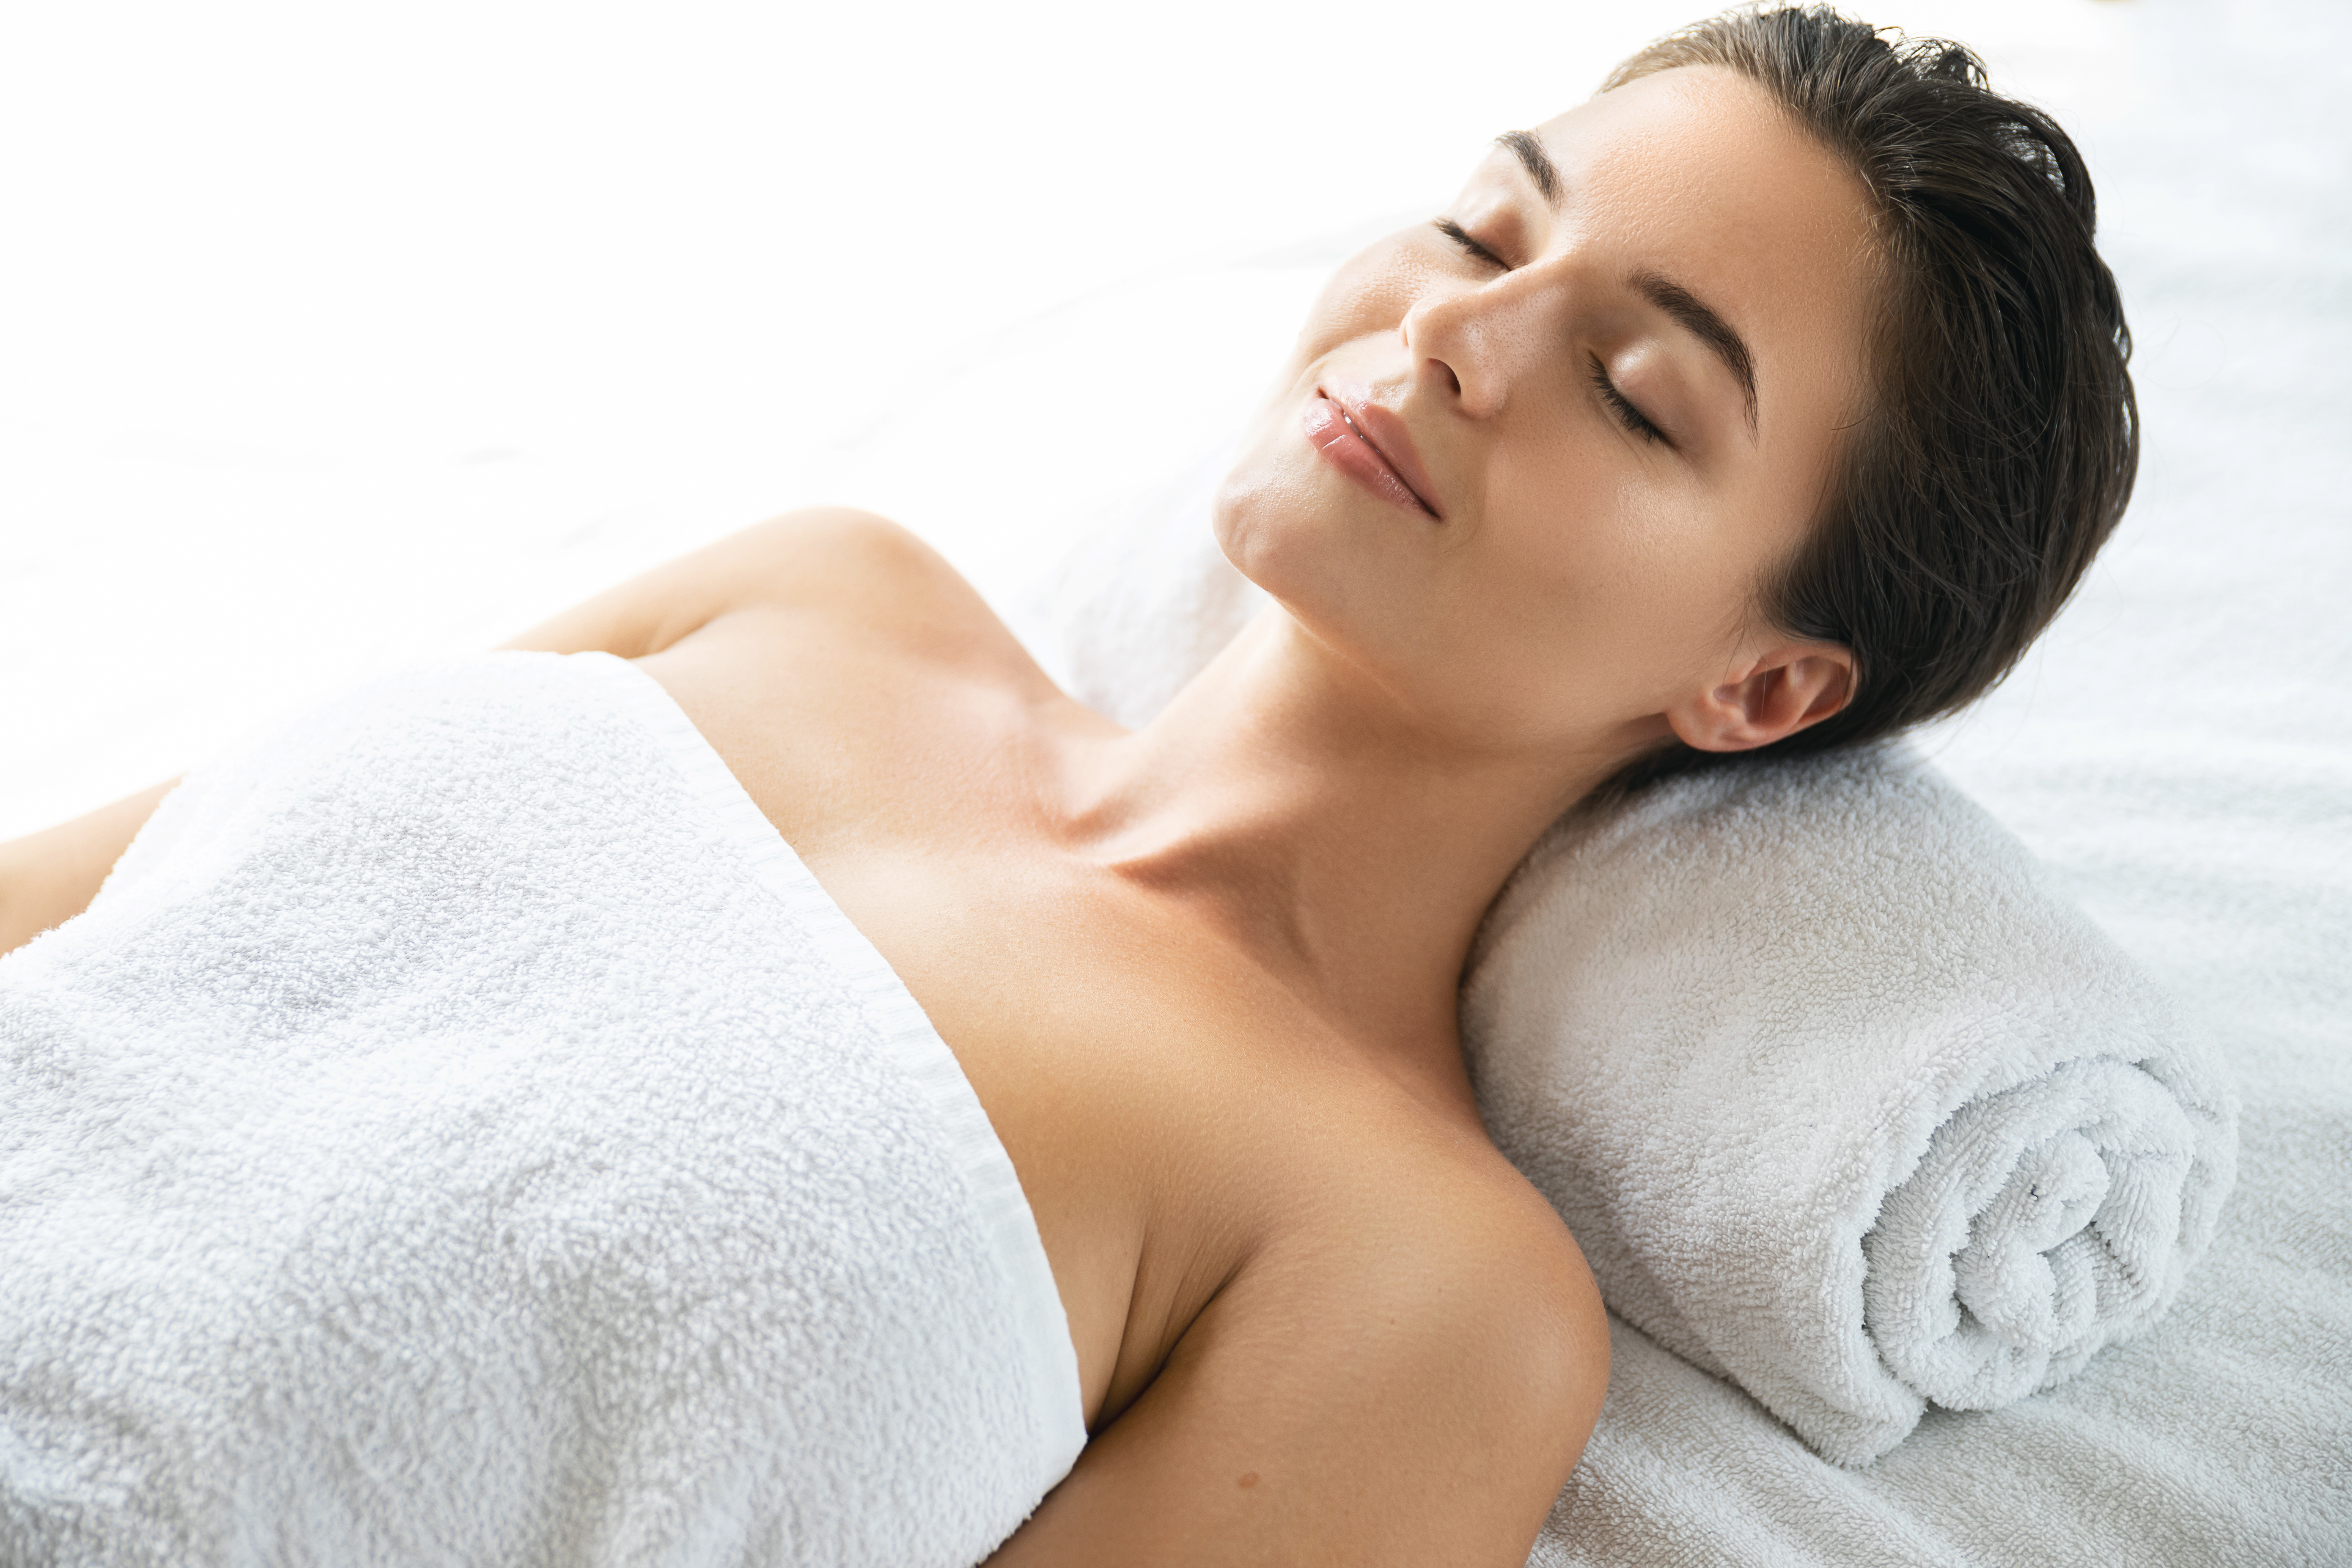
(1767, 696)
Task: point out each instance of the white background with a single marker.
(332, 336)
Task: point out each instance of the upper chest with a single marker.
(1166, 1106)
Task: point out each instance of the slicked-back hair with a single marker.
(1999, 437)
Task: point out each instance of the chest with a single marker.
(1129, 1063)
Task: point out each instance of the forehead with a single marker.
(1698, 174)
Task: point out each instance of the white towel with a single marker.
(1839, 1100)
(462, 1131)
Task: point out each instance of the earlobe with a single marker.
(1782, 691)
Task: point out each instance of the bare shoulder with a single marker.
(1407, 1374)
(1448, 1235)
(833, 556)
(1486, 1288)
(835, 562)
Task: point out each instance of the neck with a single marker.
(1352, 849)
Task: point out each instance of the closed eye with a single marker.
(1621, 406)
(1461, 236)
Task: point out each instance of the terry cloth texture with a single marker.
(1840, 1102)
(462, 1130)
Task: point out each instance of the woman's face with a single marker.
(1528, 465)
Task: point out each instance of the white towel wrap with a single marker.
(462, 1131)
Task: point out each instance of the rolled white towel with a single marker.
(1840, 1102)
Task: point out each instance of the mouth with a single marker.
(1369, 444)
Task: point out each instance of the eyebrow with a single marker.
(1709, 328)
(1694, 314)
(1539, 166)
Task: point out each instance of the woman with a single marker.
(1774, 397)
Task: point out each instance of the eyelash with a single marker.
(1461, 237)
(1635, 421)
(1627, 414)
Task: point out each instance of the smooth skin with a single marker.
(1202, 975)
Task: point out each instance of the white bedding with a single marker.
(2180, 751)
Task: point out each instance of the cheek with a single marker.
(1369, 294)
(1621, 584)
(1352, 304)
(1270, 520)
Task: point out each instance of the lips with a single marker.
(1370, 445)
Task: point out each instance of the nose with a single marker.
(1456, 337)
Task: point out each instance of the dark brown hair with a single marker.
(1999, 446)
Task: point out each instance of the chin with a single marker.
(1340, 562)
(1277, 525)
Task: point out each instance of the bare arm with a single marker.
(49, 876)
(1427, 1409)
